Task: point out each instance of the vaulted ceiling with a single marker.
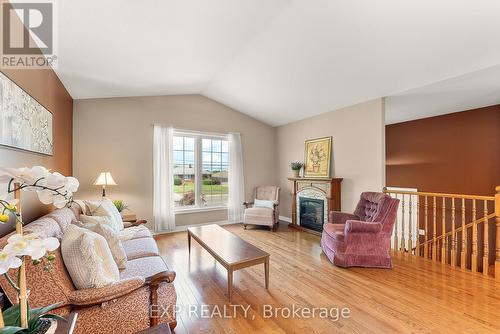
(276, 60)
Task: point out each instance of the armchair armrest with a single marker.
(357, 226)
(337, 217)
(95, 296)
(247, 204)
(154, 282)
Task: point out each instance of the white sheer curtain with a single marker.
(163, 191)
(236, 179)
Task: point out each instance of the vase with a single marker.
(296, 173)
(316, 168)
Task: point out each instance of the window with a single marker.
(201, 163)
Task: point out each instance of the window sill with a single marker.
(198, 210)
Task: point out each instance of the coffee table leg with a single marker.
(230, 284)
(189, 242)
(266, 269)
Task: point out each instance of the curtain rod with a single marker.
(193, 131)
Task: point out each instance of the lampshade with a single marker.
(105, 179)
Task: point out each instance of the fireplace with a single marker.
(312, 213)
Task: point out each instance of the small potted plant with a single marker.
(296, 167)
(120, 205)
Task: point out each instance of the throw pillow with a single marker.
(260, 203)
(88, 258)
(113, 239)
(90, 221)
(105, 207)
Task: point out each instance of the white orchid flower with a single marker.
(8, 261)
(23, 175)
(72, 184)
(31, 245)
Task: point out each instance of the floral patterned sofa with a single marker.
(123, 307)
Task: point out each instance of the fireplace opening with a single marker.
(312, 213)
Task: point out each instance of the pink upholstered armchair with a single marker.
(262, 215)
(361, 239)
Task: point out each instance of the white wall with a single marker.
(358, 150)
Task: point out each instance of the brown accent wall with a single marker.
(455, 153)
(46, 88)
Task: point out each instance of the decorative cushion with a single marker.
(143, 247)
(135, 232)
(260, 203)
(88, 258)
(143, 267)
(90, 221)
(113, 239)
(63, 217)
(105, 207)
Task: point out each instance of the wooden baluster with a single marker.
(410, 228)
(444, 241)
(417, 252)
(426, 236)
(463, 250)
(497, 240)
(434, 221)
(474, 239)
(486, 251)
(403, 243)
(396, 244)
(453, 241)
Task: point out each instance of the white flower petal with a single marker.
(14, 238)
(45, 196)
(15, 262)
(37, 252)
(3, 269)
(51, 243)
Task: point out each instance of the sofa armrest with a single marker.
(134, 223)
(154, 282)
(95, 296)
(357, 226)
(248, 204)
(337, 217)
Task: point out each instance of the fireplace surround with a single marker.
(328, 190)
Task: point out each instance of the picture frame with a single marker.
(25, 124)
(317, 157)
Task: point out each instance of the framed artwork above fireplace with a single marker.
(317, 157)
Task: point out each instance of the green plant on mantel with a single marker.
(297, 165)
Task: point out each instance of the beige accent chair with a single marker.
(263, 216)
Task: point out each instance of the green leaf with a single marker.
(10, 330)
(12, 315)
(53, 316)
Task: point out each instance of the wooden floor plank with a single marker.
(416, 296)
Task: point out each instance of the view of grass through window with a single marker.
(213, 154)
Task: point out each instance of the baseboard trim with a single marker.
(285, 219)
(185, 227)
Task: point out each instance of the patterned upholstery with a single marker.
(361, 239)
(135, 232)
(118, 308)
(263, 216)
(63, 217)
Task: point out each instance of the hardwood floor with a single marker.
(416, 296)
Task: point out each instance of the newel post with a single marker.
(497, 240)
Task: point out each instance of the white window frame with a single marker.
(198, 163)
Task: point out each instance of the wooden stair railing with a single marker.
(453, 229)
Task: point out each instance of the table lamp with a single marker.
(104, 179)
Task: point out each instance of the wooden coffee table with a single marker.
(229, 250)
